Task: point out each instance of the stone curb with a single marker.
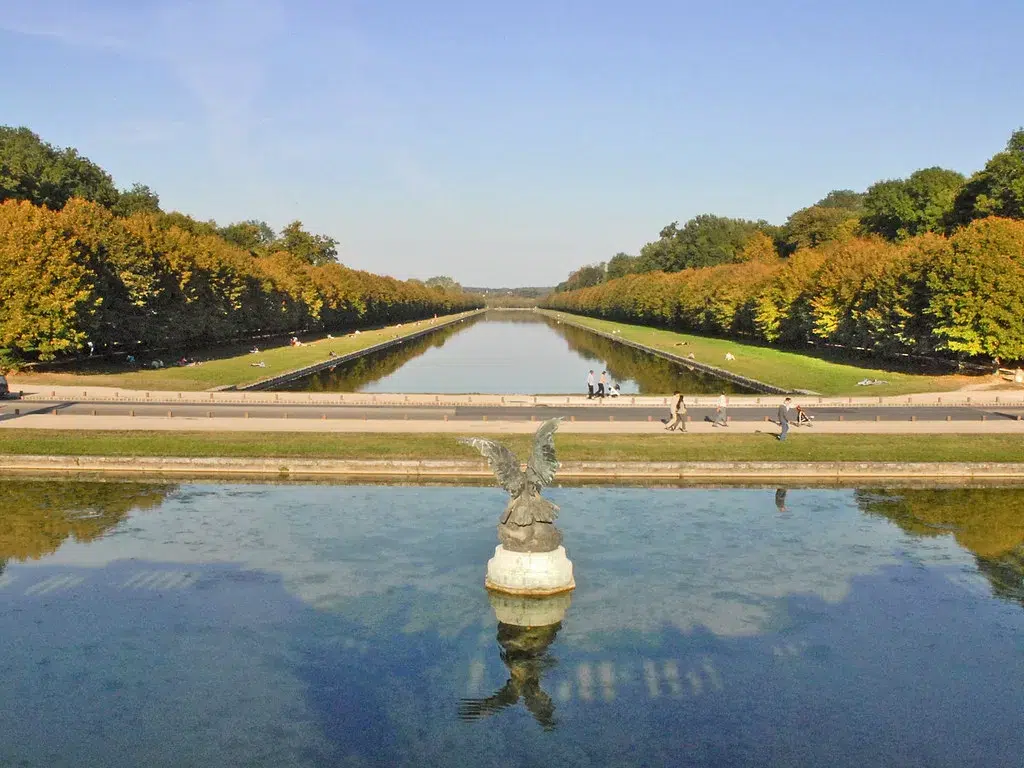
(570, 470)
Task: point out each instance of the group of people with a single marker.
(787, 414)
(601, 383)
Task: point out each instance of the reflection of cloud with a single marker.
(721, 559)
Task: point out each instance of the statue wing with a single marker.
(503, 462)
(540, 470)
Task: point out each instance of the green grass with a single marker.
(789, 370)
(234, 368)
(674, 447)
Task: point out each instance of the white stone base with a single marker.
(530, 573)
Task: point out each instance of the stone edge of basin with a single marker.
(570, 470)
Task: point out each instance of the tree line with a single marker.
(81, 262)
(931, 264)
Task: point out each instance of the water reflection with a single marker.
(526, 629)
(506, 351)
(37, 516)
(311, 625)
(988, 522)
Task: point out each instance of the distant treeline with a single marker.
(82, 262)
(929, 264)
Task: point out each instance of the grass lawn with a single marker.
(790, 370)
(234, 368)
(674, 447)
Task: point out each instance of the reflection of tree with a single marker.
(987, 521)
(525, 652)
(354, 375)
(37, 516)
(654, 375)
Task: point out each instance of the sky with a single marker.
(507, 143)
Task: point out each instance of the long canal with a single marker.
(511, 351)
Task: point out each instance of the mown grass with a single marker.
(571, 447)
(790, 370)
(235, 368)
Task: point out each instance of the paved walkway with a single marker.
(488, 426)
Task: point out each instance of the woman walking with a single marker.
(678, 420)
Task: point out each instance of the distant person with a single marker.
(721, 417)
(590, 386)
(614, 391)
(678, 420)
(601, 382)
(730, 356)
(92, 348)
(784, 418)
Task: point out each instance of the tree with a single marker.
(584, 277)
(976, 289)
(846, 199)
(900, 208)
(619, 265)
(998, 190)
(703, 241)
(138, 199)
(443, 283)
(313, 249)
(253, 235)
(33, 170)
(810, 227)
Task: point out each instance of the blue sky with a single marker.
(505, 143)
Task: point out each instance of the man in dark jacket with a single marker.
(784, 418)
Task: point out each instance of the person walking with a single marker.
(721, 417)
(600, 384)
(590, 386)
(678, 420)
(784, 418)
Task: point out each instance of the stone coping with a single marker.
(727, 471)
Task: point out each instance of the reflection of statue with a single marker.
(780, 499)
(528, 522)
(524, 650)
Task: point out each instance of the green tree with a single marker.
(703, 241)
(253, 235)
(584, 277)
(138, 199)
(443, 283)
(620, 265)
(810, 227)
(313, 249)
(998, 190)
(846, 199)
(900, 208)
(33, 170)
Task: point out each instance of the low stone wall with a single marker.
(718, 373)
(425, 469)
(299, 373)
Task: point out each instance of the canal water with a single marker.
(511, 352)
(201, 624)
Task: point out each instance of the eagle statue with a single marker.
(527, 524)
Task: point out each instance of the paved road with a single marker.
(497, 413)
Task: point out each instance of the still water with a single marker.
(304, 625)
(518, 352)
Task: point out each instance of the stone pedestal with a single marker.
(530, 573)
